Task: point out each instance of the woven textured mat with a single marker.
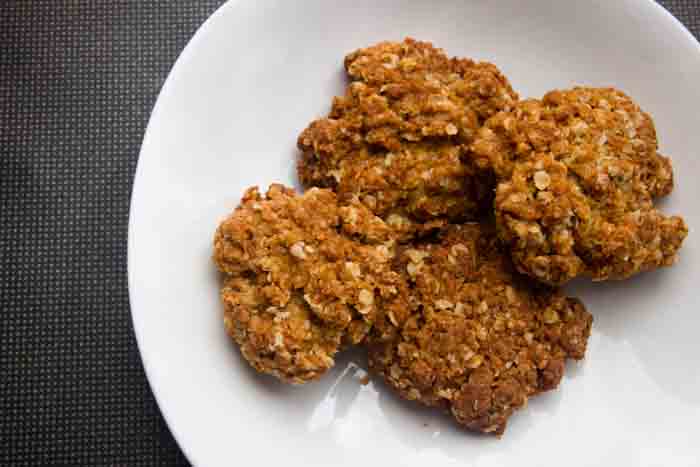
(78, 79)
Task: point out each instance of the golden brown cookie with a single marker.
(304, 276)
(477, 339)
(577, 173)
(396, 140)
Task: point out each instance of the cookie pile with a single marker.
(440, 216)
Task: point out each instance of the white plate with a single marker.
(227, 118)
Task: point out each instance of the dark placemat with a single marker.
(78, 79)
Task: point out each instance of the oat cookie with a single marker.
(578, 172)
(304, 276)
(396, 140)
(478, 339)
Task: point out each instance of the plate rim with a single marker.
(138, 331)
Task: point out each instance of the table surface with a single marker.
(78, 80)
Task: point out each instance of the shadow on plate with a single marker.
(663, 337)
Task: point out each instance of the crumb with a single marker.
(577, 175)
(478, 339)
